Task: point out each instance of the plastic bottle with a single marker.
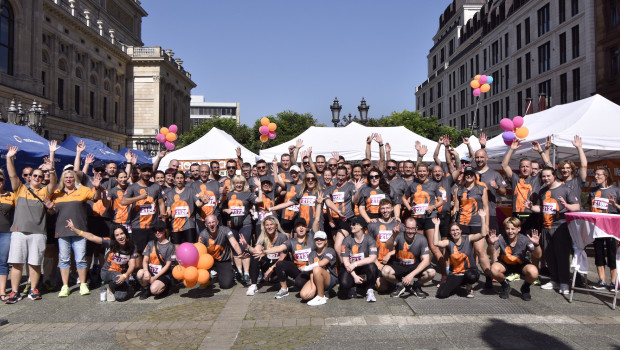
(103, 293)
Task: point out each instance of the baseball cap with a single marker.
(299, 221)
(146, 167)
(465, 159)
(68, 167)
(320, 235)
(294, 168)
(358, 220)
(469, 170)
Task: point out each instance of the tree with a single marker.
(241, 133)
(423, 126)
(290, 125)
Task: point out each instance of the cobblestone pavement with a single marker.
(220, 319)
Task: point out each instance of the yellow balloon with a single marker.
(474, 84)
(485, 87)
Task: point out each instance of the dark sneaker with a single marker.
(398, 290)
(146, 292)
(418, 292)
(488, 283)
(525, 292)
(352, 293)
(505, 293)
(600, 285)
(34, 294)
(13, 298)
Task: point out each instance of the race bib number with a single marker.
(308, 201)
(211, 202)
(147, 209)
(356, 257)
(302, 254)
(420, 209)
(550, 208)
(154, 269)
(375, 199)
(406, 261)
(338, 197)
(600, 203)
(181, 212)
(294, 208)
(444, 195)
(237, 211)
(384, 236)
(273, 256)
(120, 259)
(264, 214)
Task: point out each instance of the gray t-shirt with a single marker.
(218, 246)
(157, 262)
(300, 251)
(144, 212)
(357, 251)
(118, 261)
(515, 255)
(486, 178)
(409, 253)
(461, 256)
(329, 254)
(240, 203)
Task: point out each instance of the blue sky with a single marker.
(276, 55)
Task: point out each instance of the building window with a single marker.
(562, 48)
(484, 59)
(519, 70)
(115, 112)
(439, 89)
(506, 46)
(61, 94)
(544, 57)
(463, 100)
(494, 53)
(462, 74)
(562, 10)
(430, 95)
(543, 20)
(614, 62)
(507, 105)
(44, 82)
(507, 76)
(544, 88)
(7, 27)
(105, 109)
(76, 101)
(575, 35)
(451, 48)
(574, 7)
(495, 87)
(613, 13)
(434, 62)
(439, 110)
(528, 66)
(91, 104)
(527, 31)
(471, 67)
(520, 103)
(463, 123)
(442, 55)
(477, 63)
(423, 99)
(563, 89)
(576, 85)
(518, 36)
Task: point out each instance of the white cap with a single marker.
(294, 168)
(320, 235)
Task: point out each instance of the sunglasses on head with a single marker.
(45, 171)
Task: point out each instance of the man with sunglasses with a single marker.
(261, 174)
(391, 171)
(26, 174)
(288, 190)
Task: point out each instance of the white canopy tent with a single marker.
(350, 142)
(595, 119)
(214, 145)
(464, 151)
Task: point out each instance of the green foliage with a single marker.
(423, 126)
(241, 133)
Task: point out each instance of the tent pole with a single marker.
(554, 148)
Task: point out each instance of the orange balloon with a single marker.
(485, 87)
(191, 274)
(178, 272)
(265, 121)
(264, 138)
(474, 84)
(203, 276)
(164, 130)
(205, 261)
(202, 249)
(522, 132)
(189, 284)
(477, 77)
(171, 136)
(272, 126)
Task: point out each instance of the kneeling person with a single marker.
(155, 277)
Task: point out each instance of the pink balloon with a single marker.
(187, 255)
(506, 124)
(272, 135)
(169, 145)
(264, 130)
(173, 128)
(476, 92)
(161, 138)
(508, 143)
(483, 79)
(517, 121)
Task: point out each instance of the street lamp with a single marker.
(34, 118)
(335, 108)
(363, 109)
(346, 120)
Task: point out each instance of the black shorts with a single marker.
(494, 224)
(401, 271)
(141, 237)
(444, 224)
(528, 222)
(343, 225)
(184, 236)
(166, 279)
(424, 223)
(470, 230)
(510, 269)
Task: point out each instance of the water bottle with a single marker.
(103, 293)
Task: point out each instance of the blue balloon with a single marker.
(489, 79)
(508, 136)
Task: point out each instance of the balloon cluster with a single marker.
(194, 264)
(167, 136)
(513, 129)
(267, 130)
(480, 84)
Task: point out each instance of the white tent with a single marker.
(350, 142)
(464, 151)
(595, 119)
(214, 145)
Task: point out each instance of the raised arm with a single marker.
(381, 164)
(79, 148)
(421, 150)
(583, 161)
(298, 145)
(436, 240)
(158, 158)
(10, 167)
(545, 157)
(369, 139)
(388, 151)
(51, 187)
(506, 161)
(89, 236)
(239, 159)
(436, 153)
(320, 199)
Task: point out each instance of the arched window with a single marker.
(7, 26)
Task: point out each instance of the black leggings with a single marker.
(557, 253)
(225, 274)
(285, 269)
(346, 279)
(450, 285)
(600, 244)
(263, 264)
(302, 279)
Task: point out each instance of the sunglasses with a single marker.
(45, 171)
(24, 175)
(392, 167)
(366, 165)
(306, 163)
(37, 176)
(159, 229)
(1, 179)
(320, 239)
(333, 165)
(374, 177)
(261, 167)
(231, 167)
(310, 179)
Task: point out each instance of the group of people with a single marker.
(383, 226)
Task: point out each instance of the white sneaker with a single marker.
(564, 289)
(213, 273)
(317, 300)
(550, 285)
(251, 290)
(370, 296)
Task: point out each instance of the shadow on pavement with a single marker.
(502, 335)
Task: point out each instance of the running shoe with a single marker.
(34, 294)
(84, 289)
(564, 289)
(245, 280)
(537, 282)
(488, 283)
(418, 292)
(13, 297)
(64, 291)
(281, 293)
(600, 285)
(525, 292)
(26, 287)
(612, 286)
(146, 292)
(398, 290)
(505, 292)
(513, 277)
(213, 273)
(470, 294)
(47, 286)
(370, 296)
(317, 300)
(352, 293)
(251, 290)
(550, 285)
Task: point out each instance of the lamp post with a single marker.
(34, 118)
(148, 145)
(346, 120)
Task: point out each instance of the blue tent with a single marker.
(32, 148)
(143, 157)
(98, 149)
